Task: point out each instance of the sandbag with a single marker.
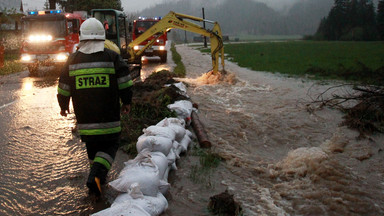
(177, 148)
(124, 209)
(172, 159)
(185, 143)
(167, 121)
(177, 125)
(183, 109)
(152, 205)
(161, 162)
(160, 131)
(154, 143)
(148, 180)
(181, 87)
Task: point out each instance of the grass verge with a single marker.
(179, 70)
(11, 64)
(354, 61)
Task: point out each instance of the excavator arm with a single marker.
(179, 21)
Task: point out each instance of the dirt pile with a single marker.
(149, 106)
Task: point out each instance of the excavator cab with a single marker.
(114, 22)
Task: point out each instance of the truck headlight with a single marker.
(162, 48)
(25, 58)
(61, 57)
(39, 38)
(136, 47)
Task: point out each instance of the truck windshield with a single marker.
(55, 28)
(143, 26)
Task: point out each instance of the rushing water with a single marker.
(281, 157)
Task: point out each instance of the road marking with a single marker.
(8, 104)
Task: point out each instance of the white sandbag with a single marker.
(153, 205)
(172, 159)
(185, 143)
(124, 209)
(177, 148)
(189, 133)
(167, 121)
(154, 143)
(164, 187)
(147, 179)
(182, 88)
(161, 162)
(183, 109)
(177, 125)
(166, 173)
(159, 131)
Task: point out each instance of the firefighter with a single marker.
(96, 79)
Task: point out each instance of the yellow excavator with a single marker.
(118, 34)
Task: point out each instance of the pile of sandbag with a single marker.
(143, 182)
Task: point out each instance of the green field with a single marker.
(358, 61)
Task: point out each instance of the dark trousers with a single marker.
(107, 146)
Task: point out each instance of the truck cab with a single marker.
(49, 37)
(158, 48)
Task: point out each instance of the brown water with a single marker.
(282, 159)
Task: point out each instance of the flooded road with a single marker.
(43, 165)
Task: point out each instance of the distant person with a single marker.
(96, 79)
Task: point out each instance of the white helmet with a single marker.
(92, 29)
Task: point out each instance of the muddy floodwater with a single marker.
(279, 157)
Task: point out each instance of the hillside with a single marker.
(250, 17)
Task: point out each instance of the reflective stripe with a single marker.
(88, 65)
(99, 128)
(126, 84)
(92, 71)
(103, 125)
(63, 92)
(103, 162)
(100, 131)
(124, 79)
(106, 156)
(64, 86)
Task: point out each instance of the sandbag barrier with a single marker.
(143, 182)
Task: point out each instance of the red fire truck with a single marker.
(158, 48)
(49, 37)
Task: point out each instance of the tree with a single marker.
(349, 20)
(380, 19)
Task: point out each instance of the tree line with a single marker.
(353, 20)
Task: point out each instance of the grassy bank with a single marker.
(359, 61)
(11, 64)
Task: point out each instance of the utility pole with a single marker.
(205, 38)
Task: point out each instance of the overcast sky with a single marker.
(138, 5)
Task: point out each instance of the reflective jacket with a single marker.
(96, 82)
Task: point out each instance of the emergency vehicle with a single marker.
(49, 37)
(158, 48)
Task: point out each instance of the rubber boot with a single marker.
(97, 177)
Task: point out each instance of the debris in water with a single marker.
(224, 204)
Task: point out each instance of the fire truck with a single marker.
(158, 47)
(49, 37)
